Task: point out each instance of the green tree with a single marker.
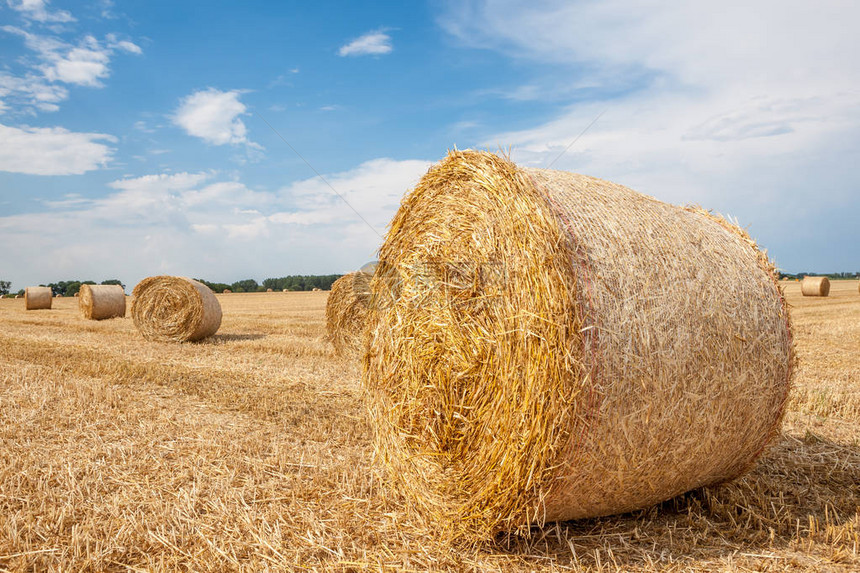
(114, 282)
(247, 285)
(4, 287)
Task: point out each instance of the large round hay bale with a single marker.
(546, 346)
(815, 286)
(37, 298)
(346, 312)
(175, 309)
(98, 302)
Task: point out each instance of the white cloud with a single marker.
(52, 151)
(204, 225)
(37, 10)
(213, 116)
(371, 44)
(86, 63)
(32, 91)
(81, 66)
(742, 107)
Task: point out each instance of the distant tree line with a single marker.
(65, 288)
(834, 276)
(291, 282)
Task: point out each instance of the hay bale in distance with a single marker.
(815, 286)
(316, 289)
(227, 291)
(37, 298)
(346, 312)
(58, 295)
(175, 309)
(99, 302)
(269, 290)
(546, 346)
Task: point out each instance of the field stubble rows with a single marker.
(250, 451)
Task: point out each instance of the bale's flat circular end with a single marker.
(100, 302)
(346, 312)
(474, 369)
(546, 346)
(175, 309)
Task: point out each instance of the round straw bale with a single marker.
(269, 290)
(815, 286)
(546, 346)
(98, 302)
(175, 309)
(37, 298)
(227, 291)
(346, 312)
(58, 295)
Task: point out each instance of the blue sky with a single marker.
(134, 137)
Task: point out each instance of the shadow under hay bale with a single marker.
(100, 302)
(815, 286)
(175, 309)
(547, 346)
(346, 313)
(37, 298)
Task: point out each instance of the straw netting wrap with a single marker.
(546, 346)
(346, 312)
(815, 286)
(175, 309)
(37, 298)
(98, 302)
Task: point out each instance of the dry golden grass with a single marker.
(250, 451)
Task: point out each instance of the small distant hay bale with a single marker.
(17, 296)
(316, 289)
(269, 290)
(226, 291)
(815, 286)
(286, 290)
(544, 346)
(77, 294)
(100, 302)
(37, 298)
(175, 309)
(346, 312)
(59, 295)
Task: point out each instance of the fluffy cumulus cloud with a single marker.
(37, 10)
(41, 86)
(214, 116)
(205, 225)
(52, 151)
(743, 107)
(371, 44)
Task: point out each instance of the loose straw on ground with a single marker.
(37, 298)
(547, 346)
(815, 286)
(346, 312)
(175, 309)
(99, 302)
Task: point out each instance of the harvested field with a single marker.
(250, 451)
